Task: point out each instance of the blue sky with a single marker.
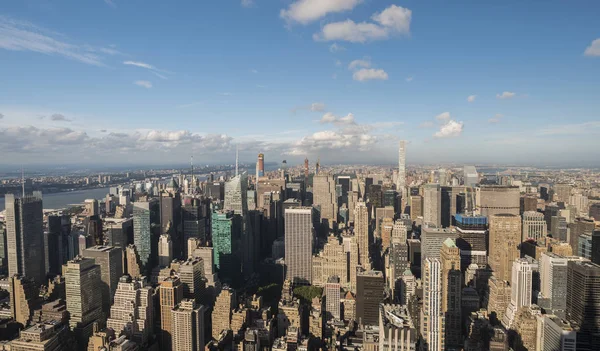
(342, 80)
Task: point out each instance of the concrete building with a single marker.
(324, 198)
(534, 226)
(470, 176)
(47, 336)
(110, 260)
(221, 314)
(236, 194)
(451, 293)
(562, 192)
(165, 250)
(361, 231)
(188, 326)
(555, 333)
(23, 294)
(498, 298)
(492, 200)
(145, 214)
(583, 303)
(132, 312)
(416, 207)
(505, 237)
(332, 260)
(171, 294)
(401, 180)
(132, 261)
(333, 298)
(432, 240)
(432, 318)
(25, 236)
(521, 289)
(299, 244)
(396, 328)
(472, 239)
(369, 294)
(83, 280)
(432, 204)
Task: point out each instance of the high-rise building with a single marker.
(553, 276)
(432, 204)
(521, 289)
(236, 194)
(432, 318)
(171, 294)
(260, 166)
(534, 226)
(165, 250)
(332, 260)
(504, 239)
(306, 169)
(396, 328)
(132, 261)
(194, 222)
(472, 239)
(324, 198)
(170, 217)
(451, 292)
(492, 200)
(221, 313)
(583, 303)
(25, 236)
(57, 250)
(401, 182)
(299, 244)
(470, 176)
(578, 227)
(91, 207)
(23, 295)
(191, 273)
(206, 253)
(333, 298)
(361, 231)
(45, 336)
(132, 312)
(188, 326)
(432, 240)
(416, 206)
(117, 231)
(83, 280)
(110, 260)
(556, 334)
(562, 192)
(498, 298)
(145, 217)
(369, 294)
(558, 228)
(226, 236)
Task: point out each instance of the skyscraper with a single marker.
(432, 318)
(369, 294)
(260, 166)
(83, 279)
(221, 313)
(520, 290)
(170, 217)
(142, 230)
(110, 260)
(553, 276)
(23, 293)
(583, 303)
(306, 169)
(25, 236)
(504, 239)
(324, 198)
(432, 204)
(299, 244)
(361, 231)
(188, 326)
(226, 234)
(534, 225)
(451, 292)
(236, 194)
(470, 176)
(165, 250)
(401, 181)
(432, 240)
(493, 200)
(332, 298)
(171, 293)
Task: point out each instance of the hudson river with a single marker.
(61, 200)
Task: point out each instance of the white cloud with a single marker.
(365, 63)
(335, 47)
(143, 83)
(443, 117)
(247, 3)
(496, 119)
(306, 11)
(506, 95)
(18, 35)
(338, 121)
(139, 64)
(328, 118)
(450, 129)
(317, 107)
(471, 98)
(593, 49)
(1, 116)
(59, 118)
(370, 74)
(409, 79)
(393, 20)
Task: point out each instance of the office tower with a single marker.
(498, 298)
(504, 239)
(226, 234)
(451, 284)
(550, 211)
(401, 182)
(578, 227)
(556, 334)
(188, 326)
(215, 190)
(171, 294)
(299, 244)
(25, 236)
(333, 298)
(91, 207)
(94, 230)
(534, 226)
(580, 202)
(221, 313)
(260, 166)
(145, 214)
(369, 294)
(447, 205)
(194, 223)
(361, 231)
(525, 327)
(170, 216)
(432, 318)
(110, 260)
(521, 289)
(583, 303)
(375, 195)
(45, 336)
(396, 328)
(23, 294)
(560, 248)
(432, 204)
(492, 200)
(432, 240)
(165, 250)
(83, 280)
(470, 176)
(594, 211)
(558, 228)
(132, 260)
(332, 260)
(56, 243)
(324, 198)
(585, 246)
(529, 203)
(117, 231)
(191, 273)
(562, 192)
(236, 194)
(595, 254)
(206, 253)
(553, 274)
(472, 239)
(416, 206)
(306, 169)
(398, 256)
(132, 311)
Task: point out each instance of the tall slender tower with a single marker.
(306, 168)
(260, 166)
(432, 318)
(401, 183)
(361, 230)
(299, 244)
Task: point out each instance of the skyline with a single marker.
(342, 81)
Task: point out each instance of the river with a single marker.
(61, 200)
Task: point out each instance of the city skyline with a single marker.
(370, 74)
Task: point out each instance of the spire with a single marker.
(237, 158)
